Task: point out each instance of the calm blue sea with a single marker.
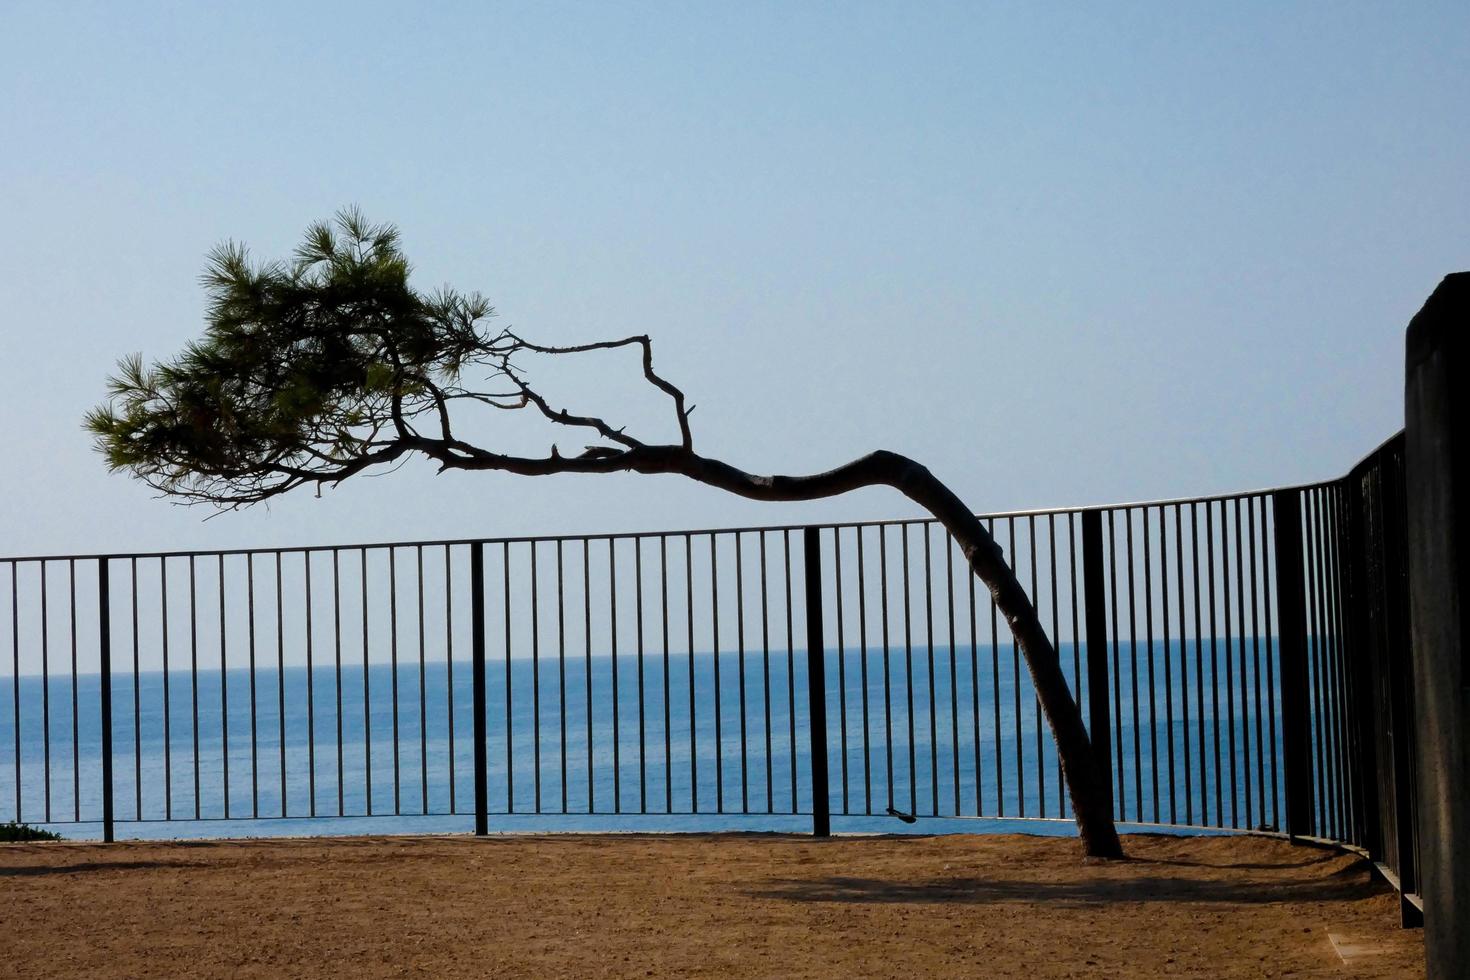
(687, 744)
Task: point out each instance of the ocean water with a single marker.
(683, 743)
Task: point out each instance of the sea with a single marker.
(654, 743)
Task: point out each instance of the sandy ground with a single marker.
(726, 905)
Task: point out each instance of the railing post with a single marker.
(1399, 673)
(477, 654)
(816, 683)
(1363, 615)
(104, 628)
(1291, 624)
(1094, 596)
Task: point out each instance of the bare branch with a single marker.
(686, 438)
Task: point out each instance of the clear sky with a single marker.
(1060, 253)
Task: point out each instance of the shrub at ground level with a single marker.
(11, 832)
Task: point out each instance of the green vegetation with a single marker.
(12, 832)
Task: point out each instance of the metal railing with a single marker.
(684, 674)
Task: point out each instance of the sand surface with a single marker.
(726, 905)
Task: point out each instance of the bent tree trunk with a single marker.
(1090, 800)
(1091, 804)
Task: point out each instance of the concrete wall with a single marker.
(1437, 461)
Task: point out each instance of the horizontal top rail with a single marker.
(654, 535)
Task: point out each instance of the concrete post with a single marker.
(1437, 467)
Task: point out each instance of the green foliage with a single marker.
(12, 832)
(305, 369)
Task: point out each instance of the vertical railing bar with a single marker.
(1168, 661)
(929, 644)
(816, 686)
(254, 721)
(1000, 802)
(137, 703)
(1342, 691)
(46, 692)
(1245, 711)
(1266, 555)
(693, 716)
(1229, 659)
(477, 672)
(1056, 634)
(766, 673)
(663, 600)
(1323, 666)
(1256, 630)
(740, 664)
(423, 681)
(974, 691)
(310, 682)
(1183, 661)
(1016, 689)
(1133, 668)
(424, 697)
(954, 696)
(1322, 782)
(393, 686)
(587, 647)
(224, 690)
(76, 752)
(194, 680)
(1121, 803)
(617, 740)
(280, 672)
(908, 670)
(1214, 661)
(587, 670)
(104, 638)
(168, 779)
(1076, 627)
(535, 681)
(1148, 647)
(841, 666)
(863, 672)
(367, 692)
(638, 644)
(15, 686)
(1341, 694)
(255, 729)
(790, 667)
(1351, 789)
(887, 666)
(1330, 651)
(1199, 667)
(448, 673)
(336, 674)
(561, 667)
(1341, 597)
(714, 585)
(1323, 752)
(510, 770)
(1036, 701)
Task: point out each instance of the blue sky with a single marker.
(1059, 253)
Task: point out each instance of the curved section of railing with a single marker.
(693, 679)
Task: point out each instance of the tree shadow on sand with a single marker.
(1349, 883)
(38, 870)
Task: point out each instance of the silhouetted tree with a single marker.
(313, 370)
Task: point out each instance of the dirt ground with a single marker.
(724, 905)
